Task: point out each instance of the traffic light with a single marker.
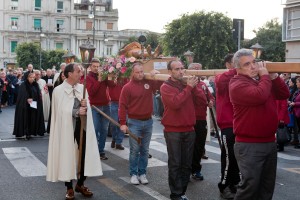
(235, 31)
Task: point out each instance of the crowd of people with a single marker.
(250, 104)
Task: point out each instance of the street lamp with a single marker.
(257, 49)
(69, 57)
(41, 36)
(92, 16)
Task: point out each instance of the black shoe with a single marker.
(103, 157)
(113, 144)
(149, 155)
(297, 146)
(119, 146)
(197, 176)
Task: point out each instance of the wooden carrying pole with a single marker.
(279, 67)
(138, 139)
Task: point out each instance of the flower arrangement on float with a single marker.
(117, 67)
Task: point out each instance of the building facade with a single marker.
(60, 24)
(291, 30)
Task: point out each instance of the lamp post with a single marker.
(69, 57)
(92, 16)
(257, 49)
(41, 35)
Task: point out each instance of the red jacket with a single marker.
(254, 107)
(115, 89)
(179, 112)
(282, 109)
(136, 100)
(200, 100)
(224, 109)
(97, 90)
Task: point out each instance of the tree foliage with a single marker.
(270, 38)
(207, 35)
(152, 40)
(29, 53)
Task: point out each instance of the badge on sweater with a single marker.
(146, 86)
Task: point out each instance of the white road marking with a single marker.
(163, 148)
(152, 193)
(106, 167)
(25, 162)
(153, 162)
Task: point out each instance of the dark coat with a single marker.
(29, 121)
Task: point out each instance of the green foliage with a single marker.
(207, 35)
(270, 38)
(152, 40)
(28, 53)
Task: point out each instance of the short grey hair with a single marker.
(240, 53)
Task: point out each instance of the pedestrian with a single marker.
(178, 120)
(253, 93)
(294, 105)
(29, 70)
(1, 87)
(49, 82)
(67, 107)
(29, 118)
(99, 97)
(136, 102)
(115, 87)
(200, 103)
(229, 168)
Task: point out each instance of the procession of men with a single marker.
(77, 131)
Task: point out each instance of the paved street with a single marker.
(23, 167)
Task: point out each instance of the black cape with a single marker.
(29, 121)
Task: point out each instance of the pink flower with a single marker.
(110, 60)
(111, 69)
(123, 70)
(132, 59)
(119, 65)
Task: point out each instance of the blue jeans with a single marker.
(101, 126)
(117, 134)
(138, 157)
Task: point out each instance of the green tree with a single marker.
(28, 53)
(269, 37)
(53, 58)
(207, 35)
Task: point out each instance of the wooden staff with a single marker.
(280, 67)
(82, 125)
(138, 139)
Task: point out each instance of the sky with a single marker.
(153, 15)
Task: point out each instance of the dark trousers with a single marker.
(229, 168)
(82, 178)
(201, 132)
(257, 163)
(180, 152)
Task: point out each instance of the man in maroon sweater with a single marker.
(229, 168)
(179, 119)
(255, 122)
(99, 97)
(136, 102)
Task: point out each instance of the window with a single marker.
(60, 6)
(37, 24)
(13, 46)
(110, 26)
(14, 23)
(59, 25)
(59, 45)
(14, 4)
(89, 25)
(37, 5)
(108, 50)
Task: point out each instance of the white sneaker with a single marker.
(143, 179)
(134, 180)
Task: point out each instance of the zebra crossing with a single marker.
(28, 165)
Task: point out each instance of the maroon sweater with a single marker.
(116, 88)
(223, 105)
(200, 100)
(136, 100)
(254, 106)
(179, 112)
(97, 90)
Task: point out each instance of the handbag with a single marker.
(282, 135)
